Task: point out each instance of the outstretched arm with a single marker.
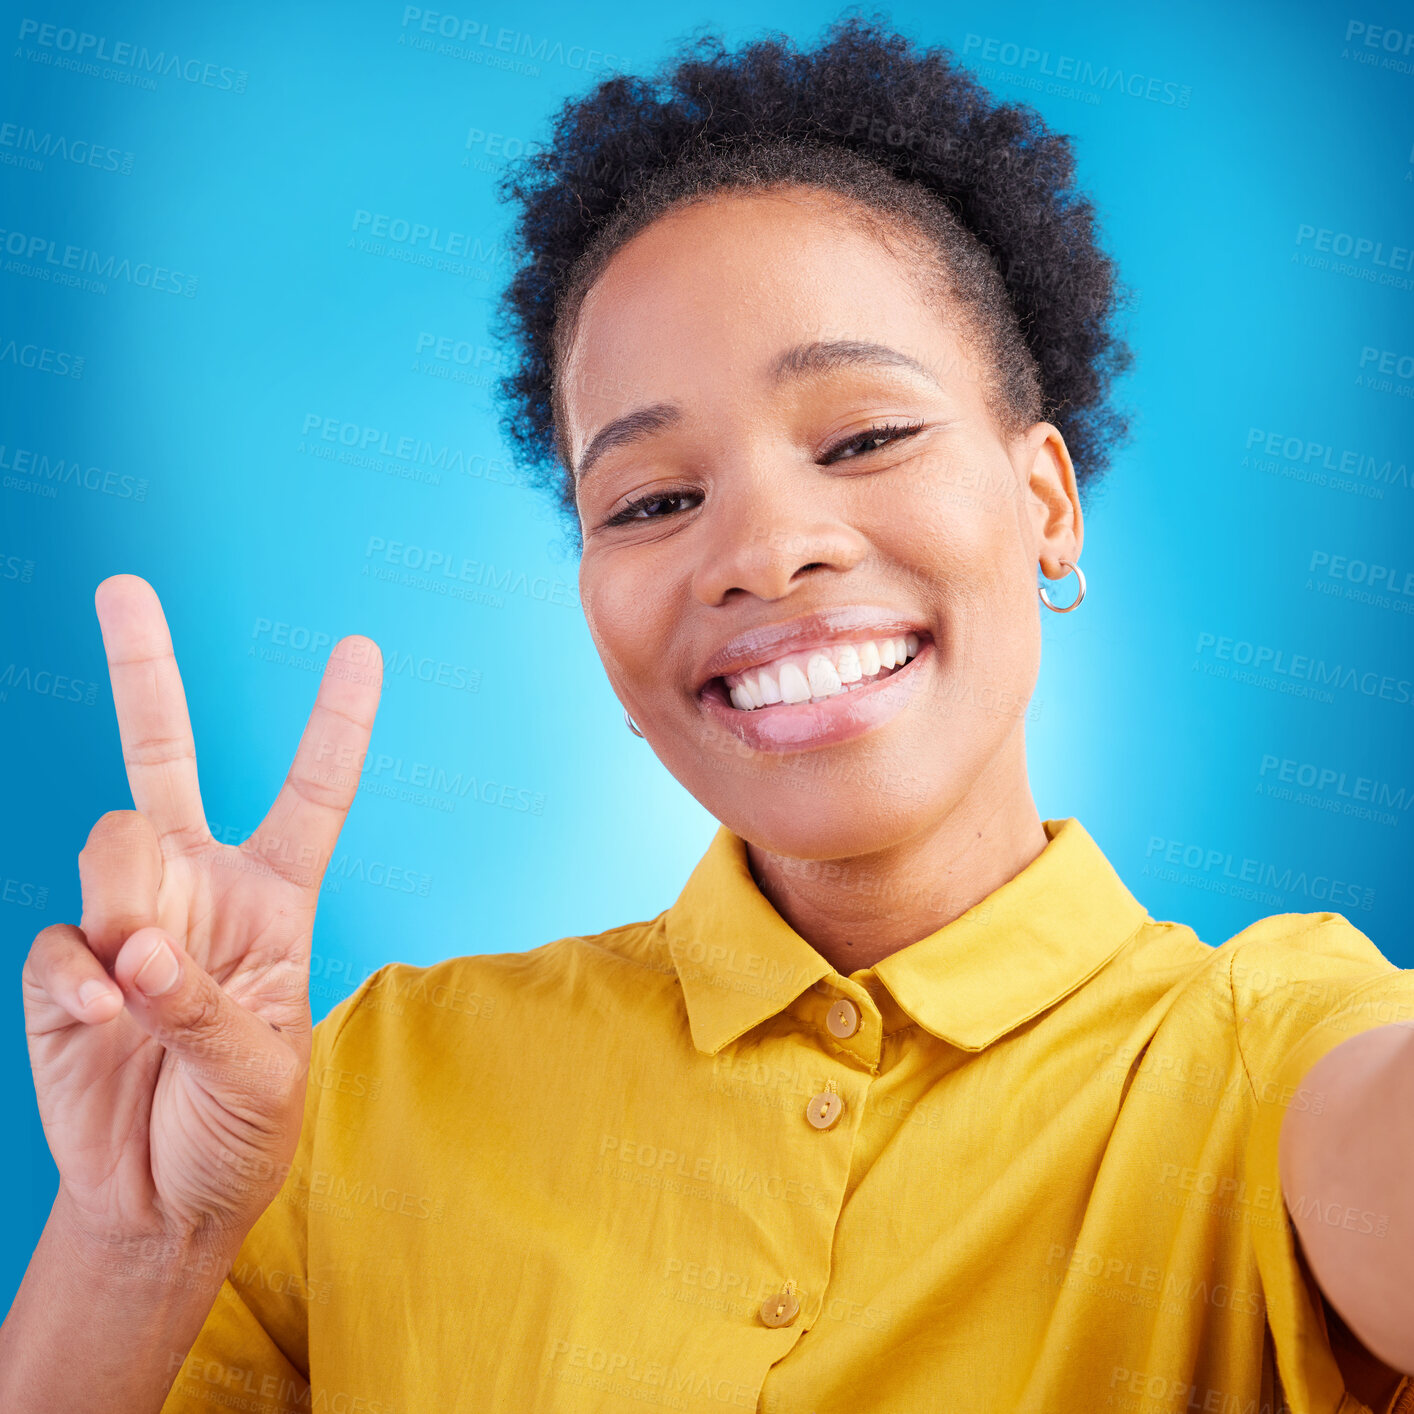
(1347, 1174)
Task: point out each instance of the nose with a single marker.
(766, 534)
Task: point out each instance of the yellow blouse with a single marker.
(1028, 1163)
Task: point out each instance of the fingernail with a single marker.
(91, 991)
(158, 974)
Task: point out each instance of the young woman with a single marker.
(905, 1104)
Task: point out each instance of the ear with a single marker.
(1053, 501)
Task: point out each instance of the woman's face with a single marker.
(742, 517)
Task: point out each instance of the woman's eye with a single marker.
(657, 505)
(872, 440)
(644, 507)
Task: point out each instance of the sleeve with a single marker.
(1296, 997)
(252, 1352)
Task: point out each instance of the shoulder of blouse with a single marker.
(402, 995)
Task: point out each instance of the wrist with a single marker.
(144, 1261)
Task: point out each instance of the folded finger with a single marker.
(120, 872)
(237, 1056)
(62, 967)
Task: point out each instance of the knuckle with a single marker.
(198, 1010)
(48, 936)
(35, 965)
(54, 948)
(114, 915)
(111, 824)
(50, 942)
(121, 832)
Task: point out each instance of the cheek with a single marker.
(626, 620)
(958, 556)
(966, 560)
(603, 614)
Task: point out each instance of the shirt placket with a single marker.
(840, 1023)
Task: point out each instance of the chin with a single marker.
(814, 818)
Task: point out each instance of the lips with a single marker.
(843, 624)
(830, 721)
(816, 673)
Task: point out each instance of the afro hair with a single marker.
(905, 131)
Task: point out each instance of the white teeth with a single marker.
(794, 686)
(819, 673)
(824, 680)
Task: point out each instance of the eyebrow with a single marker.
(800, 362)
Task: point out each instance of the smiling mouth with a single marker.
(815, 674)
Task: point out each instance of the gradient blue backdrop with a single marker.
(197, 422)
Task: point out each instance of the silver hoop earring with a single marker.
(629, 721)
(1080, 579)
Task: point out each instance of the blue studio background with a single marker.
(1254, 167)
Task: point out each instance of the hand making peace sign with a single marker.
(169, 1033)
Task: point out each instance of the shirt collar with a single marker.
(1029, 943)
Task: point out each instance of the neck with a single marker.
(867, 906)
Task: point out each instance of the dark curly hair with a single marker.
(983, 191)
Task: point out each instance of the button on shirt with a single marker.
(587, 1176)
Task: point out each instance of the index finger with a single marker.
(151, 707)
(297, 836)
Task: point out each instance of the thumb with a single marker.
(235, 1055)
